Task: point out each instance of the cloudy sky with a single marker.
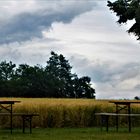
(84, 31)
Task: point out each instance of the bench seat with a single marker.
(105, 118)
(116, 114)
(26, 118)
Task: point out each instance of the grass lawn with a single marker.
(71, 134)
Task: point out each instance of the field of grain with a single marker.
(64, 112)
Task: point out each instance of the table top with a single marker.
(124, 102)
(9, 102)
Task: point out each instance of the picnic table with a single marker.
(8, 107)
(124, 105)
(120, 105)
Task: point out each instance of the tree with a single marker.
(59, 75)
(62, 83)
(137, 98)
(83, 87)
(127, 10)
(7, 71)
(30, 80)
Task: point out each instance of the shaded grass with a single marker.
(71, 134)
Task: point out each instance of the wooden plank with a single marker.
(116, 114)
(19, 114)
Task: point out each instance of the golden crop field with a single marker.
(63, 112)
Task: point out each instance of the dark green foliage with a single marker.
(54, 80)
(127, 10)
(6, 74)
(137, 98)
(83, 87)
(59, 75)
(6, 70)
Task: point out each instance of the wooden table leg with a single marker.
(117, 118)
(11, 119)
(129, 117)
(107, 125)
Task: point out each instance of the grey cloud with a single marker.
(99, 71)
(131, 70)
(9, 53)
(116, 74)
(25, 26)
(137, 87)
(109, 76)
(115, 82)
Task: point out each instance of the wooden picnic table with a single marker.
(8, 106)
(124, 105)
(6, 109)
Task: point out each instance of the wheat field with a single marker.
(64, 112)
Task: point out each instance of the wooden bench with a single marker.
(105, 117)
(26, 118)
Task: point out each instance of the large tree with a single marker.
(63, 83)
(59, 74)
(127, 10)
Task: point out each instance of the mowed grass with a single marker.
(71, 134)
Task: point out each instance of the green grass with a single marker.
(71, 134)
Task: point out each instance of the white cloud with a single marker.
(93, 43)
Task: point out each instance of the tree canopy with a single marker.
(53, 80)
(127, 10)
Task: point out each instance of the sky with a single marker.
(84, 31)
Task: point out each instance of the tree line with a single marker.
(53, 80)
